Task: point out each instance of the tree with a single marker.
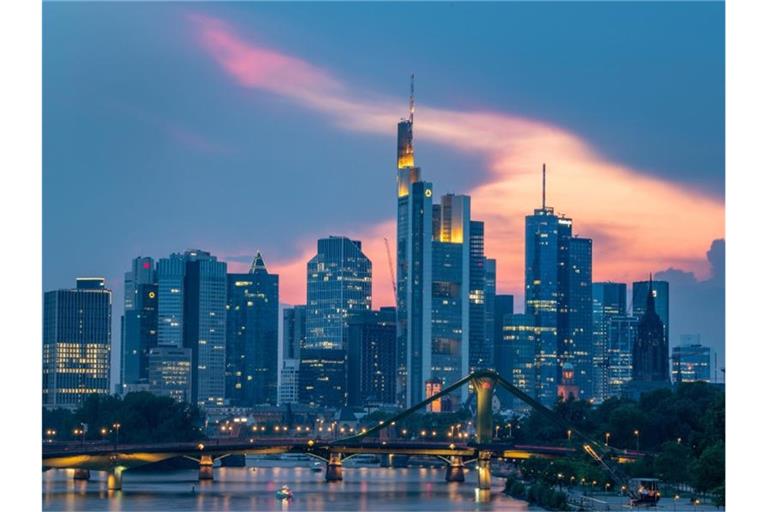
(709, 470)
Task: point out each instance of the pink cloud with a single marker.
(647, 222)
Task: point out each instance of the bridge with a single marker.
(480, 450)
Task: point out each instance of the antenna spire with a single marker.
(411, 102)
(543, 186)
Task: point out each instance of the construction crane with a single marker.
(391, 271)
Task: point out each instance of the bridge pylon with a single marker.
(333, 468)
(206, 468)
(455, 470)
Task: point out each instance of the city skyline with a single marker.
(268, 79)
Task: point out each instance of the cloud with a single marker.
(697, 306)
(639, 222)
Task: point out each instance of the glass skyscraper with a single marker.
(609, 300)
(451, 293)
(489, 266)
(294, 331)
(371, 369)
(77, 336)
(251, 341)
(480, 350)
(338, 285)
(621, 337)
(139, 323)
(516, 360)
(558, 294)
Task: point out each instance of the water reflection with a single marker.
(235, 489)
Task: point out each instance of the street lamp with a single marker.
(607, 438)
(116, 426)
(637, 440)
(569, 432)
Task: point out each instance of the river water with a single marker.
(253, 488)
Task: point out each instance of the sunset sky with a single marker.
(242, 127)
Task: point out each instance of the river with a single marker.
(253, 488)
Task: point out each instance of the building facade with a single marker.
(480, 350)
(139, 325)
(170, 372)
(691, 362)
(516, 357)
(650, 354)
(77, 337)
(609, 300)
(620, 340)
(371, 365)
(251, 340)
(294, 331)
(660, 291)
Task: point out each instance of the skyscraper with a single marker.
(650, 354)
(451, 293)
(480, 347)
(252, 318)
(609, 300)
(294, 331)
(139, 322)
(503, 305)
(575, 345)
(489, 266)
(620, 339)
(204, 325)
(371, 369)
(170, 373)
(170, 307)
(558, 296)
(77, 340)
(517, 357)
(338, 285)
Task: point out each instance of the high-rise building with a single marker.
(338, 285)
(204, 325)
(480, 349)
(294, 331)
(77, 341)
(139, 323)
(288, 393)
(489, 264)
(251, 341)
(323, 377)
(516, 357)
(660, 298)
(621, 335)
(503, 305)
(576, 338)
(371, 368)
(609, 300)
(558, 293)
(170, 306)
(451, 293)
(691, 362)
(650, 354)
(170, 372)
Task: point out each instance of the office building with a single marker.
(371, 364)
(504, 304)
(621, 335)
(170, 372)
(338, 285)
(77, 340)
(609, 300)
(139, 325)
(294, 331)
(489, 266)
(288, 392)
(516, 357)
(323, 377)
(451, 294)
(480, 348)
(251, 339)
(558, 294)
(691, 362)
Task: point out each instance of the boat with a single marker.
(644, 492)
(284, 493)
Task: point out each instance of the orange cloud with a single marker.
(639, 222)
